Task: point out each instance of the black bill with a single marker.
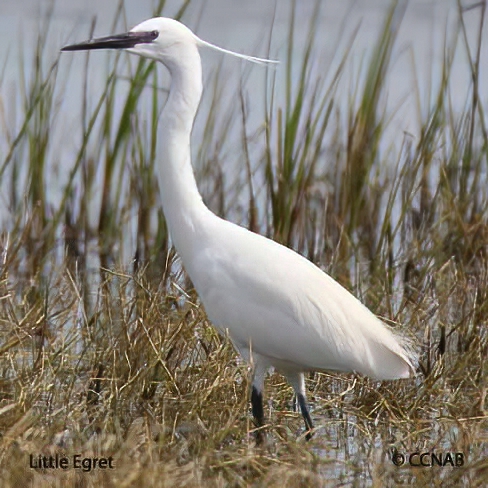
(119, 41)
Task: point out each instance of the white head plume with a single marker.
(252, 59)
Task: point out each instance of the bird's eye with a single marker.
(155, 34)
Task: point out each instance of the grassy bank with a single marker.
(106, 353)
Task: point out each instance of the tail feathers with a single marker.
(390, 363)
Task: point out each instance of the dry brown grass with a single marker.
(143, 378)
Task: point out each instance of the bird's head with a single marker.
(154, 38)
(159, 38)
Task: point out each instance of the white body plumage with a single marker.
(279, 309)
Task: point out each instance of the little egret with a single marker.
(279, 309)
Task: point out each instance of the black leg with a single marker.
(306, 415)
(258, 413)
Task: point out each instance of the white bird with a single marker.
(278, 308)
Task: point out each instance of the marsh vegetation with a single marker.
(108, 353)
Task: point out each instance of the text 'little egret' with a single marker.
(279, 309)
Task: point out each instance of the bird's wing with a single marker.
(287, 309)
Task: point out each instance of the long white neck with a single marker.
(182, 203)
